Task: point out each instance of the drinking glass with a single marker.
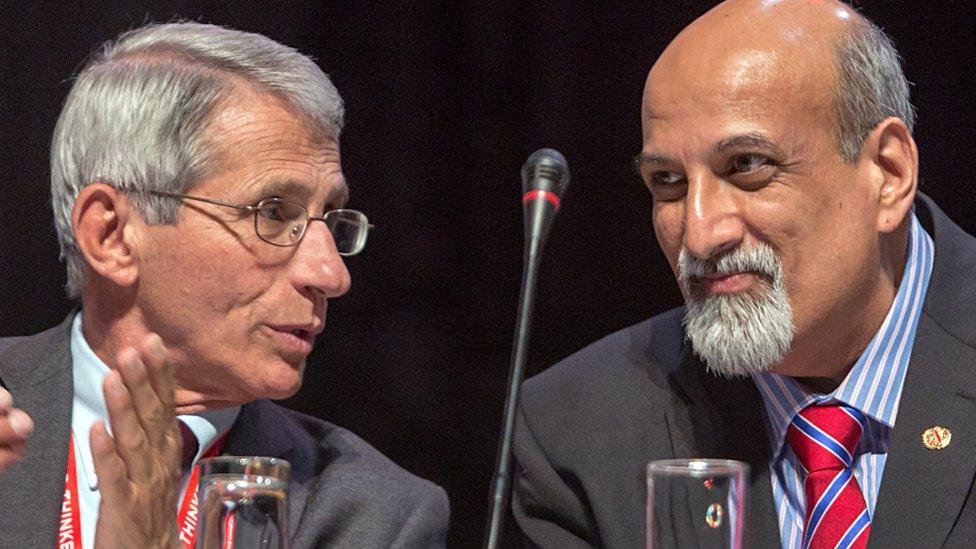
(243, 503)
(696, 503)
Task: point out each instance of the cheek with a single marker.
(210, 280)
(668, 224)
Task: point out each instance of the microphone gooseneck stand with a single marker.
(544, 178)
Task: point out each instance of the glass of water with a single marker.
(696, 503)
(243, 503)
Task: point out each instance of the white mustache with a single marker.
(759, 259)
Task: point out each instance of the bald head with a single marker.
(805, 28)
(841, 63)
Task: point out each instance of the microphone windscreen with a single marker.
(545, 170)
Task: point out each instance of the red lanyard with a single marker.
(69, 530)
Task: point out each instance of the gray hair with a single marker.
(138, 113)
(871, 86)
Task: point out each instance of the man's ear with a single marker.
(104, 224)
(891, 150)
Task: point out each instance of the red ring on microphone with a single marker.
(548, 196)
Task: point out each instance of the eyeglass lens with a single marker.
(349, 229)
(280, 222)
(283, 223)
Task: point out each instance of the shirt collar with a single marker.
(874, 383)
(89, 405)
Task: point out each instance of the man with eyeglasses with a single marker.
(199, 202)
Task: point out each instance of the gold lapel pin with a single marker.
(936, 438)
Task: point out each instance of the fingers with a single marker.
(130, 442)
(138, 465)
(145, 401)
(159, 405)
(15, 427)
(139, 399)
(113, 481)
(154, 356)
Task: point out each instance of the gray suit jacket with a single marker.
(589, 425)
(343, 492)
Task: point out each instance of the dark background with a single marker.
(445, 100)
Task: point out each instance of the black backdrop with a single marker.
(445, 100)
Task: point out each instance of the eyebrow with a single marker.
(751, 139)
(339, 194)
(649, 158)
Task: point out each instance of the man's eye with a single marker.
(280, 210)
(665, 178)
(666, 186)
(745, 163)
(271, 212)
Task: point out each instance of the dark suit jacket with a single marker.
(588, 426)
(343, 492)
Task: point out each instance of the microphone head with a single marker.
(545, 170)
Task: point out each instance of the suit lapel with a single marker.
(38, 372)
(923, 490)
(723, 419)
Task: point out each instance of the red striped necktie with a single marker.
(825, 439)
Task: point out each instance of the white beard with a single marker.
(738, 334)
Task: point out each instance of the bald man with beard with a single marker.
(827, 302)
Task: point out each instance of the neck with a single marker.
(821, 385)
(189, 401)
(108, 330)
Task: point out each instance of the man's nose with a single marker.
(713, 222)
(317, 266)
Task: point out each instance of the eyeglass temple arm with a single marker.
(208, 200)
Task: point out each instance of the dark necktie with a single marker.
(190, 446)
(825, 439)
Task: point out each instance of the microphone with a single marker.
(545, 176)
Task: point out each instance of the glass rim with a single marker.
(697, 467)
(229, 458)
(263, 466)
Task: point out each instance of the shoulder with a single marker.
(38, 341)
(342, 455)
(951, 296)
(29, 359)
(636, 359)
(356, 486)
(586, 428)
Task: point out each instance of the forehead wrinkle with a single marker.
(298, 189)
(749, 139)
(287, 187)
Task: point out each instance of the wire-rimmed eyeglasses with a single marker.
(283, 223)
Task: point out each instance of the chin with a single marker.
(280, 383)
(278, 391)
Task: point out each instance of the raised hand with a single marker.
(15, 427)
(138, 466)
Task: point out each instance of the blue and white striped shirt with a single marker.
(873, 386)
